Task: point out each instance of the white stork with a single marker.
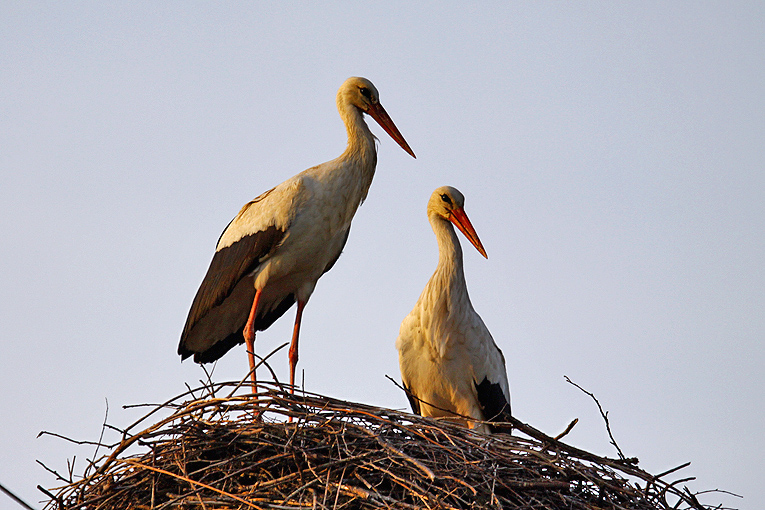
(450, 365)
(273, 252)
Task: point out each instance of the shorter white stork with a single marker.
(450, 366)
(271, 255)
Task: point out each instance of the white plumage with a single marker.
(273, 252)
(449, 362)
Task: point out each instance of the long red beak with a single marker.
(461, 221)
(381, 116)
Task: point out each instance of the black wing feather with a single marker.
(229, 265)
(494, 403)
(223, 346)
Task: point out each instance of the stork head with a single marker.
(448, 203)
(362, 94)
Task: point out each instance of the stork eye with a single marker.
(446, 199)
(365, 92)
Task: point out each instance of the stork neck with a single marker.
(449, 269)
(361, 141)
(358, 160)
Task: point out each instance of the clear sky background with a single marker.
(612, 156)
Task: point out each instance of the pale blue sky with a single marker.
(612, 157)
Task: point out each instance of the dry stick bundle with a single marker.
(210, 453)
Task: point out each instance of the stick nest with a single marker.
(213, 452)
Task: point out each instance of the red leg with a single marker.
(294, 345)
(249, 337)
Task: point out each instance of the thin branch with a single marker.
(54, 473)
(568, 429)
(103, 428)
(75, 441)
(721, 492)
(604, 414)
(261, 362)
(678, 468)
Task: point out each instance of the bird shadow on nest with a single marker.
(220, 445)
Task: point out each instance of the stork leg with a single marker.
(249, 337)
(294, 345)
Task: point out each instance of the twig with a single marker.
(261, 362)
(54, 473)
(192, 482)
(75, 441)
(665, 473)
(604, 414)
(418, 399)
(103, 428)
(721, 492)
(568, 429)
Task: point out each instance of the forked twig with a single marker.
(604, 414)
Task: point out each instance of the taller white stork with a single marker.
(450, 365)
(273, 252)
